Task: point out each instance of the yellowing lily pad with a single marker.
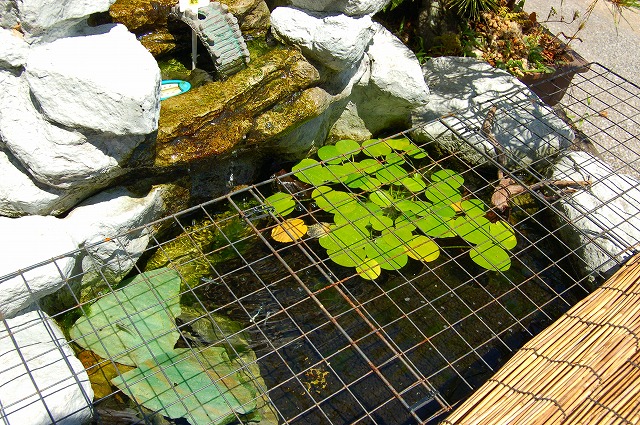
(290, 230)
(369, 269)
(422, 248)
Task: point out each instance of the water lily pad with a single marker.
(414, 184)
(348, 257)
(443, 192)
(389, 254)
(288, 231)
(203, 389)
(454, 179)
(135, 322)
(422, 248)
(364, 182)
(391, 174)
(394, 159)
(473, 230)
(359, 217)
(335, 200)
(416, 152)
(401, 144)
(473, 207)
(283, 203)
(330, 154)
(375, 148)
(312, 172)
(502, 233)
(381, 222)
(348, 147)
(381, 198)
(369, 269)
(490, 256)
(369, 166)
(434, 226)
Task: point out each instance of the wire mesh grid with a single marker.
(392, 322)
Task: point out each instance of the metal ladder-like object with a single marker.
(219, 32)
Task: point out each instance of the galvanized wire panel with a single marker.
(220, 323)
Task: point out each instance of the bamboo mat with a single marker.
(583, 369)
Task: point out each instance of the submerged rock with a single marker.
(214, 119)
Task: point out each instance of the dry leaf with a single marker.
(289, 231)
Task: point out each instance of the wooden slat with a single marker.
(583, 369)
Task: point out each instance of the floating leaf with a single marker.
(442, 192)
(401, 144)
(204, 389)
(394, 159)
(414, 184)
(375, 148)
(316, 174)
(366, 183)
(369, 269)
(473, 230)
(473, 207)
(334, 200)
(490, 256)
(422, 248)
(381, 198)
(369, 165)
(358, 216)
(283, 203)
(454, 179)
(433, 226)
(391, 174)
(348, 257)
(503, 234)
(388, 253)
(135, 322)
(416, 152)
(348, 147)
(290, 230)
(340, 173)
(381, 222)
(330, 154)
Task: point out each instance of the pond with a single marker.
(340, 329)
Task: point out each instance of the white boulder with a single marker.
(602, 223)
(348, 7)
(335, 41)
(41, 382)
(20, 195)
(528, 131)
(28, 241)
(46, 18)
(95, 223)
(8, 13)
(53, 155)
(104, 81)
(13, 49)
(394, 86)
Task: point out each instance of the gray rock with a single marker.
(54, 155)
(40, 379)
(335, 41)
(8, 14)
(27, 241)
(13, 49)
(528, 130)
(46, 19)
(601, 223)
(104, 81)
(348, 7)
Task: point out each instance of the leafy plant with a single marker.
(135, 325)
(385, 212)
(472, 8)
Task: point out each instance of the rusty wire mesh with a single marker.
(306, 341)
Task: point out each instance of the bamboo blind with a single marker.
(583, 369)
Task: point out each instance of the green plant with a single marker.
(471, 9)
(135, 326)
(385, 210)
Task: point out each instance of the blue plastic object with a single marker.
(170, 88)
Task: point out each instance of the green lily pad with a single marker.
(369, 166)
(443, 192)
(394, 159)
(473, 207)
(401, 144)
(330, 154)
(364, 182)
(414, 184)
(490, 257)
(348, 147)
(454, 179)
(389, 253)
(178, 386)
(434, 226)
(381, 222)
(316, 174)
(348, 257)
(283, 203)
(473, 230)
(416, 152)
(375, 148)
(369, 269)
(135, 322)
(422, 248)
(502, 233)
(381, 198)
(391, 174)
(334, 200)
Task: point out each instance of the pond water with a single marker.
(333, 347)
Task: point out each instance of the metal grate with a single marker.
(298, 339)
